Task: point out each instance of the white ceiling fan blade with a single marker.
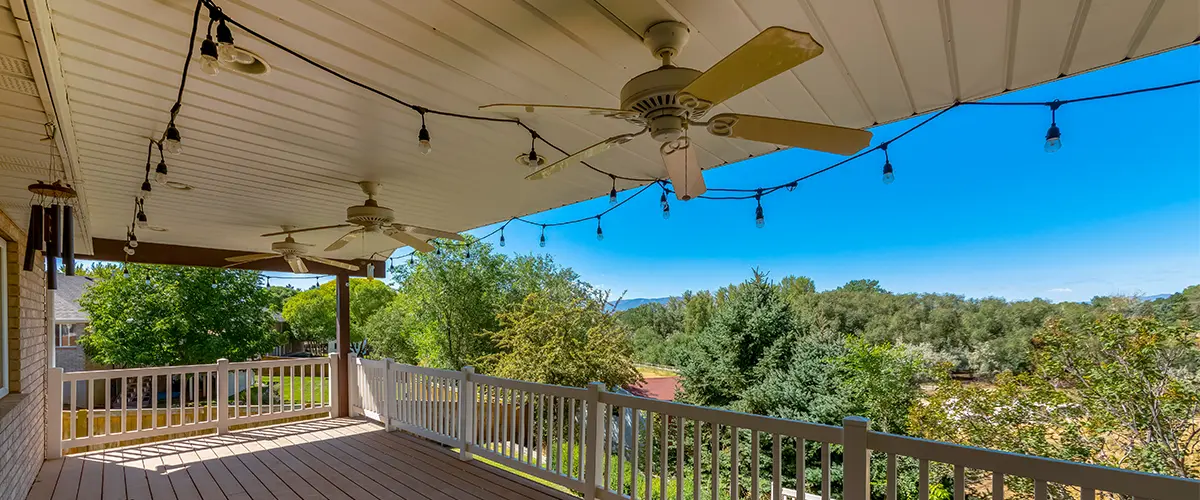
(345, 239)
(416, 243)
(331, 262)
(582, 155)
(307, 229)
(436, 233)
(242, 259)
(297, 265)
(807, 135)
(533, 108)
(775, 50)
(684, 171)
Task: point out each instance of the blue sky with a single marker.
(977, 208)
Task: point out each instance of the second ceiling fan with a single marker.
(374, 219)
(669, 100)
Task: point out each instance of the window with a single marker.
(65, 336)
(3, 318)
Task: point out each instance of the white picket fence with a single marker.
(613, 446)
(107, 406)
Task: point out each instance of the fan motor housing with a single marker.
(288, 247)
(652, 96)
(369, 214)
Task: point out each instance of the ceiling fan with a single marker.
(669, 100)
(372, 218)
(293, 252)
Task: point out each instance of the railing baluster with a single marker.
(923, 479)
(679, 424)
(662, 457)
(754, 472)
(733, 462)
(891, 477)
(960, 483)
(73, 389)
(801, 463)
(195, 398)
(562, 421)
(637, 450)
(825, 484)
(998, 486)
(1039, 488)
(777, 467)
(697, 427)
(1084, 494)
(571, 439)
(715, 439)
(649, 453)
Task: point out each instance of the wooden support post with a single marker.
(856, 460)
(54, 412)
(594, 453)
(343, 345)
(466, 413)
(222, 391)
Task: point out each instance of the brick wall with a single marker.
(22, 412)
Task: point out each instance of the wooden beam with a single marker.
(177, 255)
(343, 346)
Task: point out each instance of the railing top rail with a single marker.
(279, 362)
(376, 363)
(1120, 481)
(424, 370)
(806, 430)
(134, 372)
(553, 390)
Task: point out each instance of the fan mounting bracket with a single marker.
(665, 39)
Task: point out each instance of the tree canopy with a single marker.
(312, 314)
(170, 315)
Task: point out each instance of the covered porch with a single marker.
(337, 458)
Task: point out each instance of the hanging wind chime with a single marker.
(51, 222)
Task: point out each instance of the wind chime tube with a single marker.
(33, 237)
(53, 243)
(68, 239)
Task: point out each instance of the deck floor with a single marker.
(333, 458)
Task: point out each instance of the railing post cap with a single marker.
(598, 386)
(222, 360)
(468, 369)
(855, 421)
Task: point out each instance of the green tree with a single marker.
(1139, 382)
(171, 315)
(392, 331)
(312, 314)
(881, 381)
(280, 295)
(564, 341)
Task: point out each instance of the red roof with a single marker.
(656, 388)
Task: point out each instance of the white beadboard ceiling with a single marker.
(288, 147)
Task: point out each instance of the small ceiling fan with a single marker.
(372, 218)
(669, 100)
(293, 252)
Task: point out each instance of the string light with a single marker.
(666, 207)
(501, 236)
(423, 144)
(124, 271)
(759, 220)
(142, 221)
(612, 195)
(146, 184)
(792, 186)
(542, 240)
(1053, 136)
(888, 175)
(599, 231)
(132, 239)
(160, 172)
(208, 56)
(174, 141)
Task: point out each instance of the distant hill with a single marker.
(627, 304)
(1156, 297)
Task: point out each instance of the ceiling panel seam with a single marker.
(1010, 42)
(819, 27)
(951, 56)
(887, 35)
(1139, 34)
(1081, 15)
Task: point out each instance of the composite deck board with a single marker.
(317, 459)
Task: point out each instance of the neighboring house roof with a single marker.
(66, 298)
(656, 388)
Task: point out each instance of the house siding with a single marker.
(22, 412)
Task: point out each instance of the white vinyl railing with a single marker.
(106, 406)
(614, 446)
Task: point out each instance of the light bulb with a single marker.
(145, 189)
(759, 220)
(423, 144)
(599, 232)
(142, 221)
(174, 141)
(666, 211)
(208, 56)
(888, 175)
(612, 196)
(542, 240)
(501, 239)
(160, 173)
(662, 200)
(133, 242)
(147, 280)
(129, 251)
(1053, 139)
(226, 51)
(125, 273)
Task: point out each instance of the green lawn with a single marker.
(293, 389)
